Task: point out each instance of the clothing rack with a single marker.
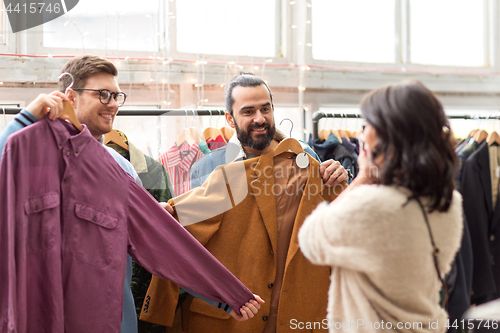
(320, 114)
(146, 112)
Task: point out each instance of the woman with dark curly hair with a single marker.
(392, 236)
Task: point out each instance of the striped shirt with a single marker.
(178, 162)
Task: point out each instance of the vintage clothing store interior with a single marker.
(175, 60)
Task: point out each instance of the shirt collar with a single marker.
(175, 157)
(65, 131)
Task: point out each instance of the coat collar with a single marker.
(261, 183)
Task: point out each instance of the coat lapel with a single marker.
(261, 185)
(311, 198)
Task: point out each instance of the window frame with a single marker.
(162, 35)
(402, 47)
(282, 50)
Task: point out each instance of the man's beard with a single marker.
(263, 141)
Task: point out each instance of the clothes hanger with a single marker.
(185, 135)
(348, 132)
(323, 134)
(289, 144)
(358, 132)
(493, 138)
(211, 132)
(113, 136)
(290, 120)
(194, 132)
(480, 135)
(227, 132)
(68, 109)
(342, 131)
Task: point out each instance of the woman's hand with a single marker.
(248, 310)
(368, 171)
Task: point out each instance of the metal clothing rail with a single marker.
(320, 114)
(146, 112)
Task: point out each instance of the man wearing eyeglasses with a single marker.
(95, 97)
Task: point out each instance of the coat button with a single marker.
(265, 318)
(60, 144)
(94, 218)
(77, 151)
(67, 153)
(270, 285)
(492, 238)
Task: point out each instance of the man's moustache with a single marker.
(266, 125)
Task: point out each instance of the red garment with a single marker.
(217, 143)
(68, 216)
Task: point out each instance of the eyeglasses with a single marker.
(105, 96)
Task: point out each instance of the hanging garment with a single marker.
(204, 147)
(216, 143)
(333, 149)
(234, 214)
(178, 162)
(129, 320)
(71, 216)
(483, 221)
(494, 154)
(153, 174)
(460, 282)
(463, 153)
(355, 141)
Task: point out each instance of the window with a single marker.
(354, 30)
(447, 32)
(230, 27)
(107, 25)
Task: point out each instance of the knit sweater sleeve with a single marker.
(351, 232)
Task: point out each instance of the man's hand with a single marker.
(167, 207)
(51, 104)
(248, 310)
(332, 173)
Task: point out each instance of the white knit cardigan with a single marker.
(383, 274)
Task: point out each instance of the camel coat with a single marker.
(242, 234)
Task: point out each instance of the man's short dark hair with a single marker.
(243, 80)
(83, 67)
